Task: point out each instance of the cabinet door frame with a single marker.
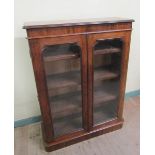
(36, 46)
(91, 41)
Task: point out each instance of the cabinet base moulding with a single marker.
(79, 136)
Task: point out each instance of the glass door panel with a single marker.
(107, 63)
(62, 65)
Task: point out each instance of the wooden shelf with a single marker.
(61, 52)
(74, 78)
(69, 104)
(67, 109)
(64, 55)
(66, 104)
(61, 57)
(107, 51)
(63, 80)
(105, 111)
(104, 73)
(103, 96)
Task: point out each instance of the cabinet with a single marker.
(80, 70)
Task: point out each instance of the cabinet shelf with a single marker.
(73, 100)
(105, 73)
(107, 51)
(69, 117)
(61, 57)
(63, 80)
(73, 78)
(59, 102)
(105, 111)
(63, 52)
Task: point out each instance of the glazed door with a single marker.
(107, 65)
(63, 69)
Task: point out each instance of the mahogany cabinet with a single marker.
(80, 70)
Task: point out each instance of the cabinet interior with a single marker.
(62, 65)
(107, 65)
(63, 75)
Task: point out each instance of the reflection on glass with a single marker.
(107, 58)
(63, 75)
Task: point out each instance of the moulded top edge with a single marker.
(76, 22)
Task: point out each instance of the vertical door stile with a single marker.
(84, 67)
(124, 68)
(90, 81)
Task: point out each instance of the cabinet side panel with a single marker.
(124, 68)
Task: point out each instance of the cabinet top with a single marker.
(60, 23)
